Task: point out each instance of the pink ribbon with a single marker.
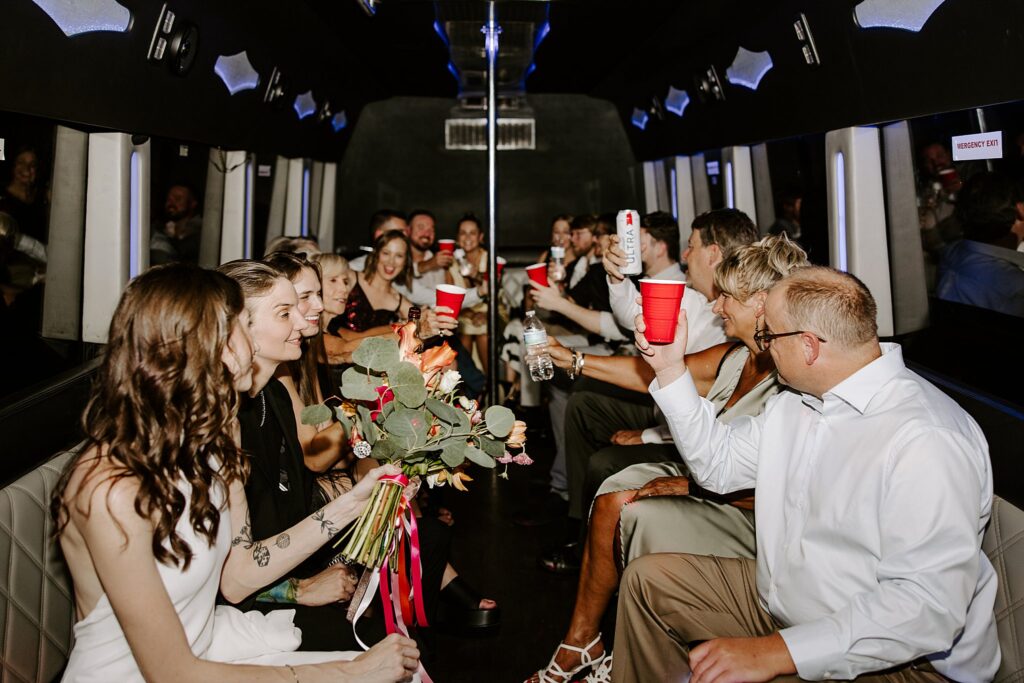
(394, 587)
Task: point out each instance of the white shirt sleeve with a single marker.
(622, 296)
(704, 328)
(609, 330)
(927, 571)
(721, 457)
(659, 435)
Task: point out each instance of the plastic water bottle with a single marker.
(535, 338)
(557, 270)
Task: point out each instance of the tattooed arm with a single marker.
(253, 564)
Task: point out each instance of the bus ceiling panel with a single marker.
(959, 59)
(135, 81)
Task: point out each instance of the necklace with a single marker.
(263, 408)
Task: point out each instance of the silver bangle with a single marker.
(583, 360)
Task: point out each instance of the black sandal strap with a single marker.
(459, 593)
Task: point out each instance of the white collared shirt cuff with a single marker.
(651, 435)
(815, 650)
(678, 398)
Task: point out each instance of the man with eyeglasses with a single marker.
(873, 492)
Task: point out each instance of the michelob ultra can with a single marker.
(627, 227)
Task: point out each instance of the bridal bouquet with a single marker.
(403, 407)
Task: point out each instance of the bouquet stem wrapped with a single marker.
(373, 537)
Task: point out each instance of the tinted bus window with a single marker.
(971, 208)
(797, 168)
(178, 174)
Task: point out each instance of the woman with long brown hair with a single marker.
(152, 516)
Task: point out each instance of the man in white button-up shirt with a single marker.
(873, 492)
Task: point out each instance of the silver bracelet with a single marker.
(292, 669)
(577, 365)
(583, 360)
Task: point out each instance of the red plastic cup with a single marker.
(446, 245)
(661, 299)
(950, 179)
(538, 272)
(450, 296)
(499, 265)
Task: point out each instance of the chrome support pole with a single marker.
(491, 32)
(979, 117)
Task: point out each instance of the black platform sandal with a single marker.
(460, 608)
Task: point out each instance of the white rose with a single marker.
(449, 380)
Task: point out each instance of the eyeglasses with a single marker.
(764, 338)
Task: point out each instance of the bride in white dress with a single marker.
(141, 510)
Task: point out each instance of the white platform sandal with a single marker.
(602, 673)
(553, 669)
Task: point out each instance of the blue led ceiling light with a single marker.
(85, 16)
(542, 33)
(237, 72)
(906, 15)
(640, 118)
(748, 68)
(339, 122)
(305, 105)
(677, 101)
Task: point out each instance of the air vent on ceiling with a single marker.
(472, 134)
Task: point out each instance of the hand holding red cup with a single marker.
(450, 296)
(538, 272)
(661, 300)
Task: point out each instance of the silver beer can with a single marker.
(627, 227)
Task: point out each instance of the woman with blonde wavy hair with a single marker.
(152, 516)
(653, 507)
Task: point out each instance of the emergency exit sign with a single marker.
(981, 146)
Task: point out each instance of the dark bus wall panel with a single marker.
(582, 162)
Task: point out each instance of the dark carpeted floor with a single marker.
(499, 558)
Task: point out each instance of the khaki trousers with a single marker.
(669, 600)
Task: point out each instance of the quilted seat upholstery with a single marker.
(1004, 545)
(36, 606)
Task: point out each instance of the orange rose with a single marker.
(408, 342)
(436, 358)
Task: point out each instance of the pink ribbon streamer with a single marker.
(395, 620)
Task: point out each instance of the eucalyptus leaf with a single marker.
(492, 447)
(407, 383)
(376, 353)
(358, 386)
(387, 410)
(499, 421)
(366, 425)
(443, 411)
(407, 427)
(314, 415)
(478, 457)
(386, 450)
(464, 422)
(345, 420)
(454, 454)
